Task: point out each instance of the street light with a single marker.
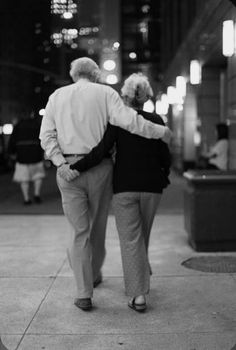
(149, 106)
(109, 65)
(132, 55)
(67, 15)
(228, 40)
(171, 95)
(162, 105)
(7, 129)
(116, 45)
(195, 72)
(42, 112)
(181, 86)
(112, 79)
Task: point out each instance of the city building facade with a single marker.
(141, 38)
(164, 39)
(192, 47)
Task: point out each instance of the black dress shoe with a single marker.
(84, 304)
(37, 199)
(27, 202)
(97, 281)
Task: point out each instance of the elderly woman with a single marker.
(140, 173)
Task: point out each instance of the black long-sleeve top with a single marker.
(25, 143)
(141, 165)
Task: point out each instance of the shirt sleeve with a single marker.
(95, 156)
(48, 136)
(128, 119)
(215, 150)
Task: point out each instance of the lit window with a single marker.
(37, 89)
(195, 72)
(91, 52)
(67, 36)
(228, 40)
(181, 85)
(67, 15)
(83, 31)
(109, 65)
(42, 112)
(57, 38)
(143, 27)
(7, 129)
(112, 79)
(162, 105)
(180, 107)
(197, 138)
(116, 45)
(145, 8)
(61, 7)
(132, 55)
(149, 106)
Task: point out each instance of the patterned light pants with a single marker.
(134, 213)
(86, 202)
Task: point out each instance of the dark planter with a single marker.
(210, 209)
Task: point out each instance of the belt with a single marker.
(73, 155)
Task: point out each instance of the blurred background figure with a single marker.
(217, 157)
(24, 147)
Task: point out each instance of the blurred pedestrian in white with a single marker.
(217, 157)
(75, 120)
(24, 146)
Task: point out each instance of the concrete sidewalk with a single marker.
(188, 310)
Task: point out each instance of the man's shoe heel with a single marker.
(84, 304)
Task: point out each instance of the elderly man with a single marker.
(75, 120)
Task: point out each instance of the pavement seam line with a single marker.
(123, 334)
(38, 308)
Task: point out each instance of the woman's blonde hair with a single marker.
(137, 88)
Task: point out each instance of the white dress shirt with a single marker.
(76, 117)
(220, 153)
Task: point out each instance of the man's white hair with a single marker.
(137, 87)
(84, 67)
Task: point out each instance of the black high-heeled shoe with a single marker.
(137, 307)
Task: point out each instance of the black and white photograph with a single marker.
(118, 175)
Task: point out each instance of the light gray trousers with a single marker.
(86, 202)
(134, 213)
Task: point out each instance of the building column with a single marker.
(190, 127)
(231, 79)
(209, 106)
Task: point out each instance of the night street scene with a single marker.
(118, 174)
